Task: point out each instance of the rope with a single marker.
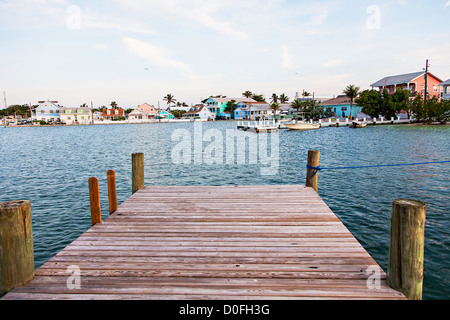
(317, 169)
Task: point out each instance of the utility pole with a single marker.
(31, 114)
(426, 82)
(4, 96)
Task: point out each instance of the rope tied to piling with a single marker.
(317, 169)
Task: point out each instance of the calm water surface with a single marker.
(51, 167)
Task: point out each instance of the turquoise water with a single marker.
(51, 166)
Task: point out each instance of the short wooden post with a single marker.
(16, 245)
(137, 172)
(94, 194)
(312, 175)
(112, 192)
(406, 250)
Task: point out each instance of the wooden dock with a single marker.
(228, 243)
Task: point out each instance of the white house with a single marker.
(79, 115)
(201, 112)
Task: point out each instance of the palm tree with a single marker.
(352, 93)
(305, 94)
(170, 99)
(275, 106)
(114, 105)
(284, 98)
(297, 104)
(247, 94)
(274, 98)
(258, 97)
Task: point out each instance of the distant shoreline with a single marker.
(175, 121)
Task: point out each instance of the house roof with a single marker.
(445, 83)
(231, 98)
(113, 113)
(144, 109)
(75, 110)
(145, 106)
(49, 103)
(341, 99)
(197, 109)
(400, 79)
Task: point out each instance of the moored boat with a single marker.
(302, 126)
(356, 124)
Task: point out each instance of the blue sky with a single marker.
(134, 51)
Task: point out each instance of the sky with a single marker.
(135, 51)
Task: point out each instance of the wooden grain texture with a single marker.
(16, 245)
(196, 243)
(112, 192)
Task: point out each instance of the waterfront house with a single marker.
(240, 113)
(445, 89)
(80, 115)
(201, 112)
(48, 111)
(414, 82)
(96, 115)
(144, 111)
(286, 109)
(225, 115)
(165, 114)
(340, 106)
(218, 105)
(112, 114)
(253, 109)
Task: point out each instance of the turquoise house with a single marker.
(340, 106)
(164, 114)
(218, 105)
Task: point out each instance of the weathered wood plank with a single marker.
(220, 242)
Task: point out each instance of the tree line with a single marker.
(376, 103)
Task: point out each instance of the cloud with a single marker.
(287, 57)
(92, 22)
(100, 46)
(447, 4)
(200, 11)
(154, 54)
(317, 19)
(331, 64)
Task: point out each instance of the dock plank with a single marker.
(213, 242)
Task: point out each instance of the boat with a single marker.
(356, 124)
(302, 126)
(259, 126)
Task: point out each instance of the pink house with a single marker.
(144, 111)
(414, 82)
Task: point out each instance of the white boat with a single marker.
(359, 124)
(302, 126)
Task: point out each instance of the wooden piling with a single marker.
(137, 172)
(94, 194)
(406, 251)
(112, 191)
(16, 245)
(312, 175)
